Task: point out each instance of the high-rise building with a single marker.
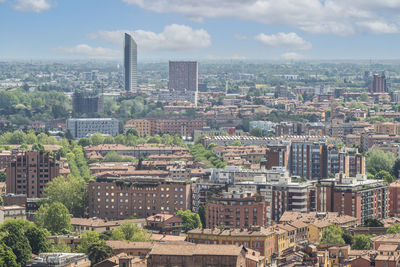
(30, 171)
(354, 196)
(378, 84)
(183, 77)
(86, 103)
(130, 63)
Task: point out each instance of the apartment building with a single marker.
(181, 127)
(85, 127)
(292, 196)
(120, 198)
(30, 171)
(394, 196)
(354, 196)
(260, 239)
(234, 210)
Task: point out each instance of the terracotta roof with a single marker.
(387, 247)
(321, 223)
(387, 238)
(102, 223)
(167, 238)
(117, 244)
(190, 249)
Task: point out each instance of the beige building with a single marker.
(12, 212)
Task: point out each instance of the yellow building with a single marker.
(142, 126)
(281, 240)
(256, 238)
(291, 234)
(315, 230)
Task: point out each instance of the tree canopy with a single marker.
(54, 217)
(190, 220)
(332, 235)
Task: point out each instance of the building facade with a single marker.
(30, 171)
(181, 127)
(120, 198)
(85, 127)
(130, 63)
(235, 210)
(354, 196)
(86, 104)
(183, 76)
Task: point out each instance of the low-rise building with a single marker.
(60, 260)
(82, 225)
(257, 238)
(199, 255)
(12, 212)
(165, 223)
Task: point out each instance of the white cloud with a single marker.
(339, 17)
(173, 38)
(379, 27)
(284, 40)
(240, 36)
(88, 51)
(292, 56)
(35, 6)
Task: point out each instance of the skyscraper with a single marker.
(183, 76)
(130, 63)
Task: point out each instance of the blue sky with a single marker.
(201, 29)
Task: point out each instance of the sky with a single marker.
(200, 29)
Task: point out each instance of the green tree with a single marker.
(70, 191)
(361, 242)
(84, 142)
(256, 132)
(87, 239)
(202, 214)
(378, 160)
(98, 252)
(7, 256)
(109, 140)
(130, 232)
(332, 235)
(54, 217)
(19, 244)
(3, 176)
(372, 222)
(37, 239)
(394, 229)
(385, 176)
(396, 169)
(1, 201)
(237, 143)
(347, 237)
(190, 220)
(96, 139)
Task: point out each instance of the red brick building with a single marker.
(235, 210)
(394, 195)
(120, 198)
(354, 196)
(30, 171)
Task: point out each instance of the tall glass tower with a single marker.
(130, 63)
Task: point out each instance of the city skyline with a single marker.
(235, 30)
